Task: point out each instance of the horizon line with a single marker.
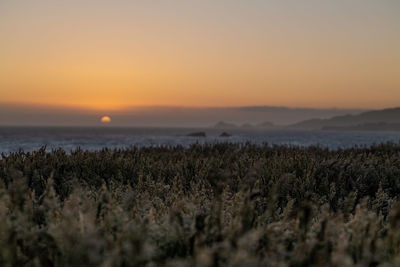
(133, 107)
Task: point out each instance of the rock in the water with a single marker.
(225, 134)
(197, 134)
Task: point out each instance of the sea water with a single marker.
(70, 138)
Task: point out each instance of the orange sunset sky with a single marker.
(111, 55)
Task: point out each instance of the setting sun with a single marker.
(105, 119)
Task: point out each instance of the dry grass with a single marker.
(212, 205)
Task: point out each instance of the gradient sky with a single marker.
(110, 55)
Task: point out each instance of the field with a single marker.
(207, 205)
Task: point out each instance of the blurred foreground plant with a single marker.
(210, 205)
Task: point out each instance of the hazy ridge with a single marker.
(385, 119)
(161, 116)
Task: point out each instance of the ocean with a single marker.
(29, 139)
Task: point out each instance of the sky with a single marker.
(118, 55)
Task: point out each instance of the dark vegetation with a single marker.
(211, 205)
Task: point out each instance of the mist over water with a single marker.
(70, 138)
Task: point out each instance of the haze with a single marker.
(112, 56)
(28, 115)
